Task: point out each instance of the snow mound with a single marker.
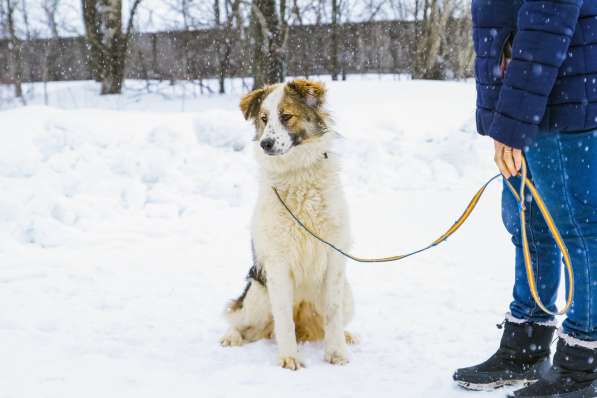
(66, 172)
(221, 129)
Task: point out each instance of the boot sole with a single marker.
(590, 392)
(495, 385)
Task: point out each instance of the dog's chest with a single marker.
(277, 232)
(312, 207)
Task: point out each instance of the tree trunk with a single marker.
(93, 34)
(107, 41)
(226, 52)
(17, 67)
(334, 49)
(16, 50)
(115, 44)
(217, 12)
(223, 48)
(461, 60)
(269, 37)
(429, 40)
(113, 74)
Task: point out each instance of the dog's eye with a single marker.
(264, 118)
(286, 117)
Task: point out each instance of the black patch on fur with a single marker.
(256, 274)
(325, 155)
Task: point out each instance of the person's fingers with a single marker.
(509, 161)
(517, 153)
(502, 167)
(499, 159)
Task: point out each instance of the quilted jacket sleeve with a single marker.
(545, 29)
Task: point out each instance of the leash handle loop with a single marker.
(526, 183)
(520, 199)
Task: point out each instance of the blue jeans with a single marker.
(564, 169)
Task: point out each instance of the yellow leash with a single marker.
(519, 195)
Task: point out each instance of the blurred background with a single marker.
(208, 42)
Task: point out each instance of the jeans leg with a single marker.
(569, 184)
(544, 254)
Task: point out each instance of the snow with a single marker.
(124, 230)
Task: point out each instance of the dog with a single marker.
(297, 289)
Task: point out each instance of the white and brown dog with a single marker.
(297, 288)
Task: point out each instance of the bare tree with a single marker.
(50, 14)
(334, 49)
(297, 12)
(269, 31)
(433, 21)
(15, 47)
(188, 14)
(229, 32)
(107, 41)
(4, 65)
(25, 17)
(50, 11)
(457, 44)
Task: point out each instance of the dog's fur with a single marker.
(297, 288)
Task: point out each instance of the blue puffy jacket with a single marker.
(536, 67)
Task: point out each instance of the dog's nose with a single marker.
(267, 144)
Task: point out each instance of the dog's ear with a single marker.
(313, 93)
(251, 103)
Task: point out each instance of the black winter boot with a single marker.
(573, 375)
(523, 355)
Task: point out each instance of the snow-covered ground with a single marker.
(124, 229)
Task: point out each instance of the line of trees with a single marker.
(440, 48)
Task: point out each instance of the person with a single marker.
(536, 79)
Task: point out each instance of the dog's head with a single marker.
(286, 115)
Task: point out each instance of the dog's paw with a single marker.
(291, 363)
(336, 357)
(232, 338)
(350, 338)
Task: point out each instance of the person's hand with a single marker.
(508, 160)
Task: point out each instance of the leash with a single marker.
(519, 195)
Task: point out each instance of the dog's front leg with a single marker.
(335, 341)
(281, 292)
